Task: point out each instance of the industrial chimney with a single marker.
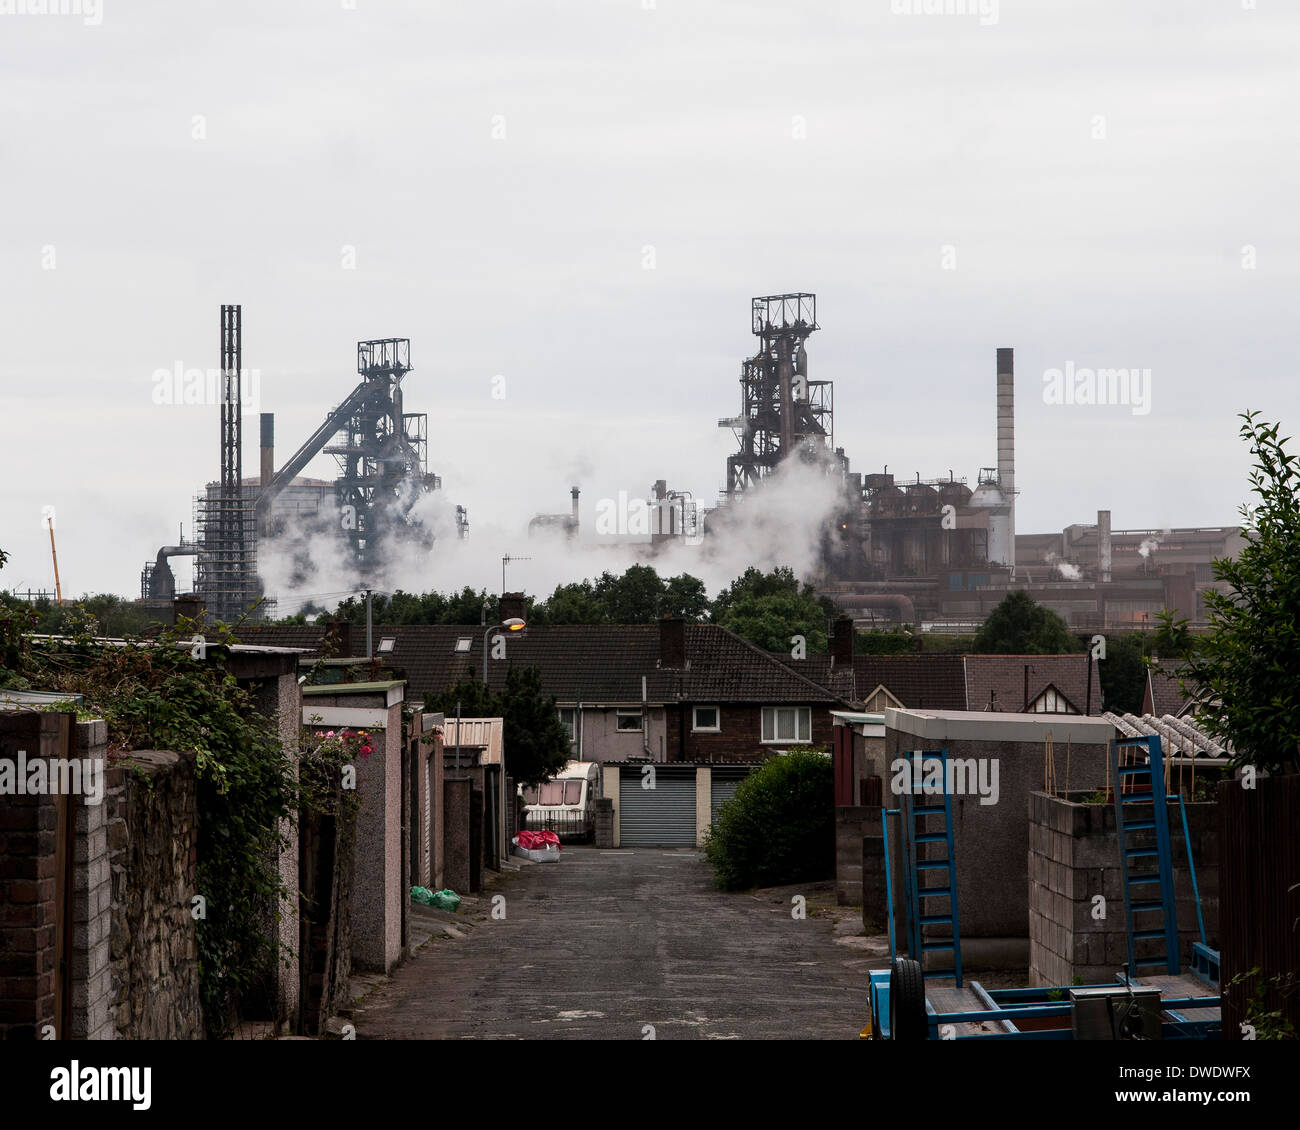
(268, 466)
(573, 521)
(268, 448)
(1007, 447)
(1103, 546)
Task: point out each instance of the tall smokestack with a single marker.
(268, 448)
(573, 521)
(1103, 545)
(1007, 444)
(268, 464)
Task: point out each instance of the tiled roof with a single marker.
(919, 682)
(1001, 678)
(592, 663)
(282, 635)
(959, 682)
(838, 680)
(1162, 692)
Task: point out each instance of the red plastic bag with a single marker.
(535, 841)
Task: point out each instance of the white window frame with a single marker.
(619, 715)
(570, 723)
(696, 728)
(771, 719)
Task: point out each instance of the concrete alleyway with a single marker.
(604, 943)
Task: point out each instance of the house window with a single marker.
(787, 724)
(569, 720)
(629, 720)
(705, 719)
(463, 643)
(386, 644)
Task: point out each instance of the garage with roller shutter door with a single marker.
(725, 782)
(660, 817)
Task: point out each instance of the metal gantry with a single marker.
(782, 410)
(382, 456)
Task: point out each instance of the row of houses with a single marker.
(696, 693)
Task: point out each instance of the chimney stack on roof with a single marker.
(512, 605)
(842, 641)
(338, 639)
(672, 642)
(187, 606)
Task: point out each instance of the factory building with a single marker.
(937, 552)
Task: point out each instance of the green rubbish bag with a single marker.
(445, 900)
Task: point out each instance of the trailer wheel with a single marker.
(907, 1016)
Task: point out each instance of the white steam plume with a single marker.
(780, 522)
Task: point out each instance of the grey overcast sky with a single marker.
(581, 196)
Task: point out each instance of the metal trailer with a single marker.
(1166, 1003)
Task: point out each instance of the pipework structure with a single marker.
(782, 410)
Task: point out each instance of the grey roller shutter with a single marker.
(660, 817)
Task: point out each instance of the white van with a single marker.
(566, 804)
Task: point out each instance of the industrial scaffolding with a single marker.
(225, 568)
(782, 410)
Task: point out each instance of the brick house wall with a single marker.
(740, 735)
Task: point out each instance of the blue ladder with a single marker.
(928, 853)
(1147, 893)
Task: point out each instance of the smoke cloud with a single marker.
(782, 522)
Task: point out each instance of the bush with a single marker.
(779, 827)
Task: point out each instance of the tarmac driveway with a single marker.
(627, 945)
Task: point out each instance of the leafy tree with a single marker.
(685, 596)
(637, 596)
(104, 614)
(894, 641)
(1246, 671)
(632, 598)
(1123, 674)
(575, 603)
(536, 741)
(464, 607)
(768, 608)
(1021, 626)
(779, 827)
(1173, 637)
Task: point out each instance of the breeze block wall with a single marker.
(1074, 855)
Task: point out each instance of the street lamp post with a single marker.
(514, 624)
